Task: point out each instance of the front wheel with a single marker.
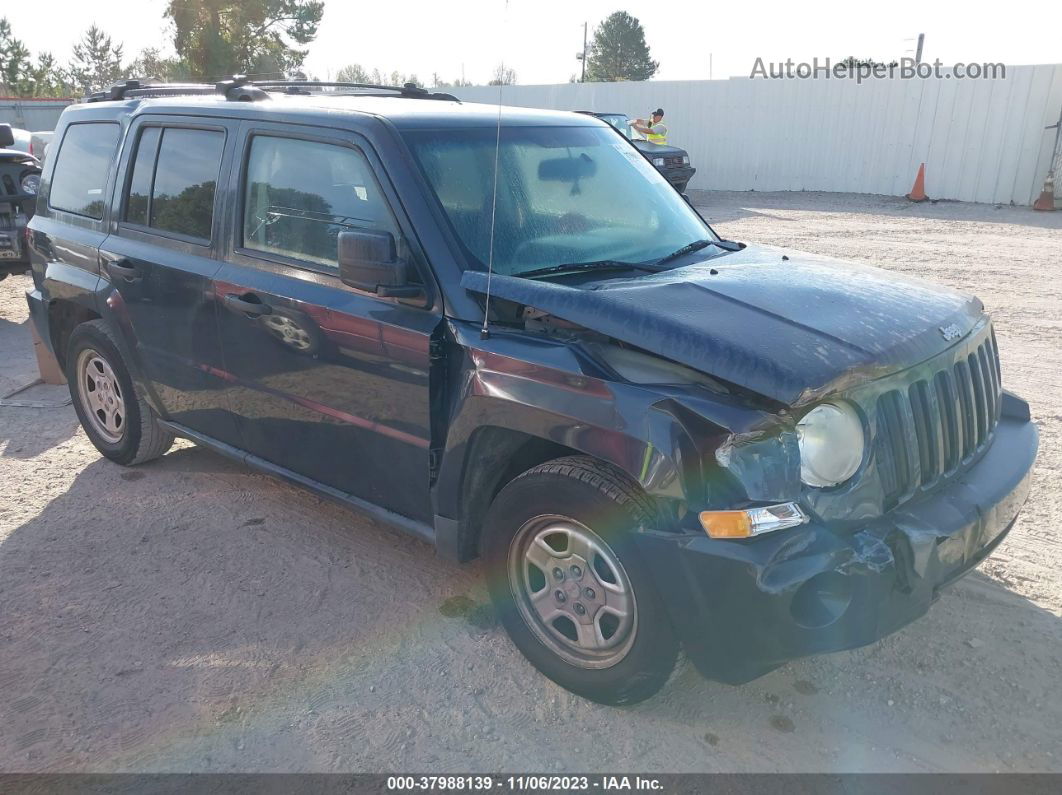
(568, 584)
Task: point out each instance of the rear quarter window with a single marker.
(82, 168)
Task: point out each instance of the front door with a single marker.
(329, 382)
(161, 262)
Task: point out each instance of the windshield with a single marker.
(621, 122)
(566, 195)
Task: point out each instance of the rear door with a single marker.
(332, 382)
(74, 222)
(161, 259)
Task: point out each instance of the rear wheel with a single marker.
(568, 585)
(116, 419)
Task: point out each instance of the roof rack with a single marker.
(239, 89)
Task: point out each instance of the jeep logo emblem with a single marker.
(950, 332)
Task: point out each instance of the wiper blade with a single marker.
(697, 245)
(575, 267)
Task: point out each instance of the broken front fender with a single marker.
(552, 389)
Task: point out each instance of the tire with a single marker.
(579, 505)
(115, 417)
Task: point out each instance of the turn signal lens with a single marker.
(751, 522)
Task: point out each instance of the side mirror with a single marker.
(7, 137)
(369, 261)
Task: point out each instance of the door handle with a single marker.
(122, 269)
(249, 304)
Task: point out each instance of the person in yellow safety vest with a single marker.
(654, 130)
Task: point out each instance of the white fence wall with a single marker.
(981, 140)
(32, 114)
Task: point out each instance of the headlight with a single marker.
(685, 160)
(31, 183)
(658, 162)
(644, 368)
(831, 443)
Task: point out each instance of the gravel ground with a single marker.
(192, 615)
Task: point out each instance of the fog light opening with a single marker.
(822, 600)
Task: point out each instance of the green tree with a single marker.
(97, 62)
(48, 78)
(353, 73)
(150, 63)
(619, 51)
(217, 38)
(22, 77)
(397, 78)
(14, 62)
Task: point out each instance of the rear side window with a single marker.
(81, 170)
(299, 195)
(174, 180)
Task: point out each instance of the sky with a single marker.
(540, 38)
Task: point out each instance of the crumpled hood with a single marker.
(788, 330)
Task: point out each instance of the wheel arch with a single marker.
(63, 317)
(493, 456)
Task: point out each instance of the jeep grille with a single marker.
(937, 426)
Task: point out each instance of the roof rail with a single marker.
(239, 89)
(236, 88)
(299, 87)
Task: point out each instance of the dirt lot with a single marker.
(192, 615)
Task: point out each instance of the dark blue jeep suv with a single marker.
(454, 318)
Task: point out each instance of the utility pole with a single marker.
(582, 56)
(918, 48)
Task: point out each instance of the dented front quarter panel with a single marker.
(550, 389)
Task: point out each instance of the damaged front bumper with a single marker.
(745, 607)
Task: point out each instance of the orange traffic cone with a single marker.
(918, 191)
(1047, 197)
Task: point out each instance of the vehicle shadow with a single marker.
(27, 432)
(151, 613)
(20, 365)
(193, 615)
